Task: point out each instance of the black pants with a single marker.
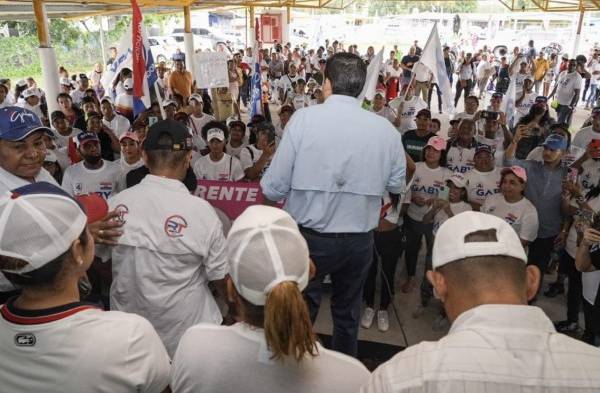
(539, 254)
(575, 291)
(388, 246)
(439, 96)
(415, 231)
(591, 313)
(460, 88)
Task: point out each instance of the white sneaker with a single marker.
(383, 321)
(367, 319)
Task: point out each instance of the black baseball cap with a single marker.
(182, 139)
(424, 112)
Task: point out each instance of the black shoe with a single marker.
(554, 289)
(566, 326)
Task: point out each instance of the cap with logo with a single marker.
(555, 142)
(29, 93)
(65, 81)
(197, 98)
(129, 135)
(21, 83)
(215, 133)
(40, 221)
(437, 142)
(450, 243)
(81, 77)
(179, 133)
(516, 170)
(481, 147)
(86, 137)
(18, 123)
(265, 248)
(458, 180)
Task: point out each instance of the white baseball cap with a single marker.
(128, 84)
(458, 180)
(166, 103)
(39, 222)
(29, 93)
(450, 246)
(265, 248)
(215, 133)
(197, 97)
(65, 81)
(107, 99)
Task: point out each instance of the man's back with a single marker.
(494, 348)
(337, 152)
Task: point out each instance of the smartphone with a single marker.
(572, 175)
(152, 120)
(444, 193)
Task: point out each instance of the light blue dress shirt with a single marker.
(334, 164)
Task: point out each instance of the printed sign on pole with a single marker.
(211, 70)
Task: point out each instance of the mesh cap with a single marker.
(450, 244)
(265, 248)
(38, 223)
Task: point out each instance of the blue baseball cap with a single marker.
(85, 137)
(555, 142)
(18, 123)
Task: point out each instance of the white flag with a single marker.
(510, 99)
(433, 58)
(370, 86)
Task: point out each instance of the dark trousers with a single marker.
(575, 291)
(460, 88)
(563, 113)
(415, 231)
(347, 260)
(591, 313)
(439, 96)
(388, 247)
(539, 254)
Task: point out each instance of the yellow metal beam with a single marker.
(41, 23)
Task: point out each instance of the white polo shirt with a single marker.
(522, 216)
(219, 359)
(80, 348)
(172, 246)
(481, 185)
(493, 348)
(79, 180)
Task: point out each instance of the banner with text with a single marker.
(231, 197)
(211, 70)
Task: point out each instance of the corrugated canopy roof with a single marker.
(22, 9)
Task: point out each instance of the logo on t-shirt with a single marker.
(175, 225)
(510, 218)
(122, 212)
(25, 339)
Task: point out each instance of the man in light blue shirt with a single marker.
(332, 166)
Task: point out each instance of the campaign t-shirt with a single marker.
(460, 159)
(414, 144)
(119, 124)
(426, 183)
(79, 180)
(409, 113)
(441, 216)
(523, 108)
(298, 101)
(567, 84)
(522, 215)
(228, 168)
(519, 82)
(482, 185)
(584, 136)
(196, 124)
(235, 151)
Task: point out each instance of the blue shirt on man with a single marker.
(334, 164)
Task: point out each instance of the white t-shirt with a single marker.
(79, 180)
(220, 359)
(409, 113)
(76, 96)
(584, 136)
(196, 124)
(63, 140)
(394, 73)
(85, 350)
(519, 82)
(421, 72)
(119, 124)
(235, 151)
(426, 183)
(228, 168)
(483, 68)
(571, 243)
(464, 115)
(572, 154)
(595, 66)
(285, 84)
(522, 215)
(482, 185)
(466, 71)
(441, 216)
(124, 102)
(460, 159)
(567, 84)
(386, 112)
(298, 101)
(389, 212)
(525, 105)
(249, 159)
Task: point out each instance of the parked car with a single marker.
(163, 47)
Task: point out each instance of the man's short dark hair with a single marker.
(163, 158)
(347, 73)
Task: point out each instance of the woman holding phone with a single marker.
(257, 157)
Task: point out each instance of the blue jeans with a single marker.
(592, 96)
(347, 260)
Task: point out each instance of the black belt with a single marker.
(333, 235)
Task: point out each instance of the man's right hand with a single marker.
(106, 231)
